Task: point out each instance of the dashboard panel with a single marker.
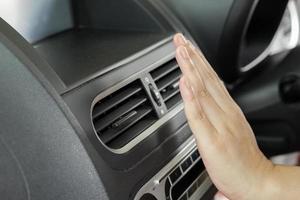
(245, 27)
(89, 64)
(112, 74)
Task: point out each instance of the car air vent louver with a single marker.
(167, 79)
(123, 115)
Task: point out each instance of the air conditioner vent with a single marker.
(167, 79)
(123, 115)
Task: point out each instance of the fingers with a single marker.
(196, 117)
(179, 39)
(208, 68)
(202, 96)
(212, 83)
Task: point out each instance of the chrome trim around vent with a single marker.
(150, 130)
(145, 133)
(156, 185)
(172, 113)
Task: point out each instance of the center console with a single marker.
(182, 178)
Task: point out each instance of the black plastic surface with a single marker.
(209, 195)
(204, 19)
(260, 29)
(78, 54)
(96, 38)
(138, 164)
(232, 36)
(261, 101)
(273, 137)
(186, 180)
(148, 197)
(289, 88)
(186, 164)
(145, 159)
(80, 102)
(221, 29)
(126, 15)
(41, 154)
(174, 176)
(124, 173)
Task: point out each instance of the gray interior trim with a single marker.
(42, 133)
(145, 133)
(152, 128)
(119, 63)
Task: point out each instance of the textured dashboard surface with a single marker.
(41, 154)
(80, 53)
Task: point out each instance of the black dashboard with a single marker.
(99, 86)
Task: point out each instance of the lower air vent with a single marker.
(167, 79)
(123, 115)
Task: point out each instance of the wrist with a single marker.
(265, 184)
(271, 187)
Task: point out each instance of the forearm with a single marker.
(284, 183)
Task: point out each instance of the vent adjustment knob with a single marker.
(155, 95)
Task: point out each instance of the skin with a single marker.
(224, 138)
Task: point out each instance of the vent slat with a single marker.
(164, 70)
(101, 123)
(103, 107)
(133, 132)
(175, 100)
(127, 111)
(112, 133)
(169, 94)
(169, 79)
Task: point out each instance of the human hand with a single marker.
(225, 140)
(220, 196)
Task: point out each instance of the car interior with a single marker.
(90, 106)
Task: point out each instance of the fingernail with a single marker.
(181, 39)
(183, 53)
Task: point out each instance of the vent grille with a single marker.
(167, 79)
(123, 115)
